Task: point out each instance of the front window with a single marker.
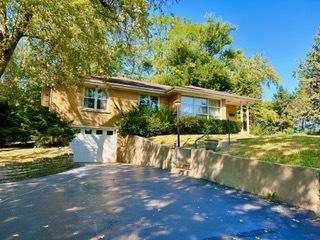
(193, 106)
(150, 101)
(95, 99)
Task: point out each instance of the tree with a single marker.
(65, 40)
(180, 52)
(282, 105)
(309, 74)
(301, 106)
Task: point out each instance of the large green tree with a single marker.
(180, 52)
(309, 74)
(63, 40)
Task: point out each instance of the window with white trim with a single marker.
(193, 106)
(95, 99)
(151, 101)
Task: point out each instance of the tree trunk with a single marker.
(10, 40)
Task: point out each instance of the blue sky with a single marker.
(282, 30)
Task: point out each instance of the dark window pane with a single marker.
(88, 131)
(88, 103)
(109, 132)
(144, 100)
(99, 132)
(101, 104)
(154, 102)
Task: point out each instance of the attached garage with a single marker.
(94, 145)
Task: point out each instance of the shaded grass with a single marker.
(297, 149)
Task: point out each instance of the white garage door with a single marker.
(94, 145)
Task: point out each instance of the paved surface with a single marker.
(125, 202)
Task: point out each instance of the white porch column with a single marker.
(241, 117)
(248, 119)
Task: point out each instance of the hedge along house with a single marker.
(95, 106)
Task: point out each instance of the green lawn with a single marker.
(20, 155)
(23, 163)
(188, 140)
(296, 149)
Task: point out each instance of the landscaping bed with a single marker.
(19, 163)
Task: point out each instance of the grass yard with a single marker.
(23, 163)
(188, 140)
(23, 155)
(297, 149)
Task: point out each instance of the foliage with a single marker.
(181, 52)
(263, 130)
(147, 122)
(276, 115)
(282, 106)
(62, 41)
(200, 125)
(309, 74)
(24, 123)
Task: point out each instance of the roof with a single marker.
(126, 83)
(134, 83)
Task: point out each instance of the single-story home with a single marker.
(95, 106)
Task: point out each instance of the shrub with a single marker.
(23, 123)
(47, 129)
(147, 122)
(200, 125)
(263, 130)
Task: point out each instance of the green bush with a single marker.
(24, 123)
(201, 125)
(147, 122)
(48, 129)
(263, 130)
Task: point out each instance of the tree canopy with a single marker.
(180, 52)
(62, 40)
(309, 74)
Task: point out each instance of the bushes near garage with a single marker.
(147, 122)
(24, 123)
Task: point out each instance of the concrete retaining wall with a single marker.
(140, 151)
(298, 186)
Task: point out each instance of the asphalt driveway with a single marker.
(126, 202)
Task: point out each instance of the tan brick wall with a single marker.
(68, 103)
(231, 109)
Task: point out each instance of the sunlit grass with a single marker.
(296, 149)
(188, 140)
(15, 155)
